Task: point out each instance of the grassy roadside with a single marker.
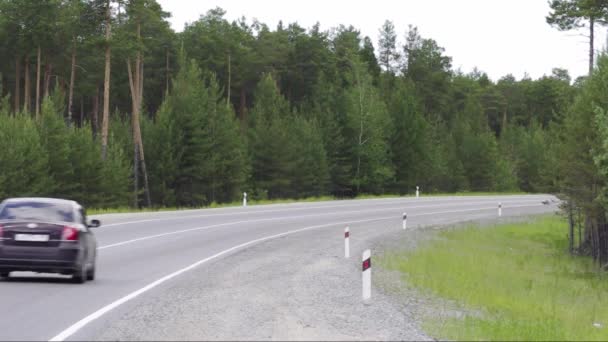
(97, 211)
(519, 277)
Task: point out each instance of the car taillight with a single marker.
(69, 234)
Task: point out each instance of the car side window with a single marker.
(83, 214)
(78, 217)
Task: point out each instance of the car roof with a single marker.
(42, 200)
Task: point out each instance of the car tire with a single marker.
(91, 273)
(80, 275)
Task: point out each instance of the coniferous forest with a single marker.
(104, 103)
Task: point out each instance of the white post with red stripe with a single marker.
(499, 209)
(404, 221)
(244, 199)
(346, 242)
(367, 274)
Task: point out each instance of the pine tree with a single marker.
(367, 130)
(225, 166)
(446, 171)
(572, 14)
(479, 155)
(22, 151)
(410, 140)
(115, 174)
(55, 139)
(270, 151)
(86, 167)
(581, 180)
(187, 103)
(389, 57)
(196, 143)
(310, 173)
(328, 110)
(160, 137)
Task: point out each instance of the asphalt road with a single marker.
(144, 257)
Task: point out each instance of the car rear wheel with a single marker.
(80, 276)
(91, 273)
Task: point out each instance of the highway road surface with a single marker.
(258, 272)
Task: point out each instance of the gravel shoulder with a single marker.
(298, 287)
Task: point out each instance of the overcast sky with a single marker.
(497, 36)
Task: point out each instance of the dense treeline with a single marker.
(580, 137)
(228, 107)
(583, 164)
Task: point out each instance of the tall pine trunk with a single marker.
(143, 159)
(81, 112)
(138, 156)
(229, 80)
(591, 44)
(48, 71)
(167, 76)
(132, 87)
(141, 83)
(360, 142)
(38, 82)
(106, 89)
(136, 86)
(95, 113)
(243, 104)
(71, 90)
(136, 174)
(570, 228)
(17, 98)
(26, 92)
(504, 121)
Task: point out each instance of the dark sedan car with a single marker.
(47, 235)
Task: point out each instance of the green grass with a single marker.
(98, 211)
(517, 282)
(95, 211)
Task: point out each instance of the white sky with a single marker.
(497, 36)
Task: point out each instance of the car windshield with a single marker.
(39, 211)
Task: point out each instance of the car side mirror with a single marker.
(94, 224)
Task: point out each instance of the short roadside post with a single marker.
(417, 191)
(404, 221)
(244, 199)
(499, 209)
(367, 274)
(347, 242)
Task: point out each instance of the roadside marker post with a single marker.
(347, 242)
(417, 191)
(367, 274)
(404, 221)
(499, 209)
(244, 199)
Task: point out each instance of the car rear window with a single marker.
(39, 211)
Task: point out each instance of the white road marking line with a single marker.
(83, 322)
(97, 314)
(274, 219)
(477, 209)
(354, 203)
(239, 222)
(291, 209)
